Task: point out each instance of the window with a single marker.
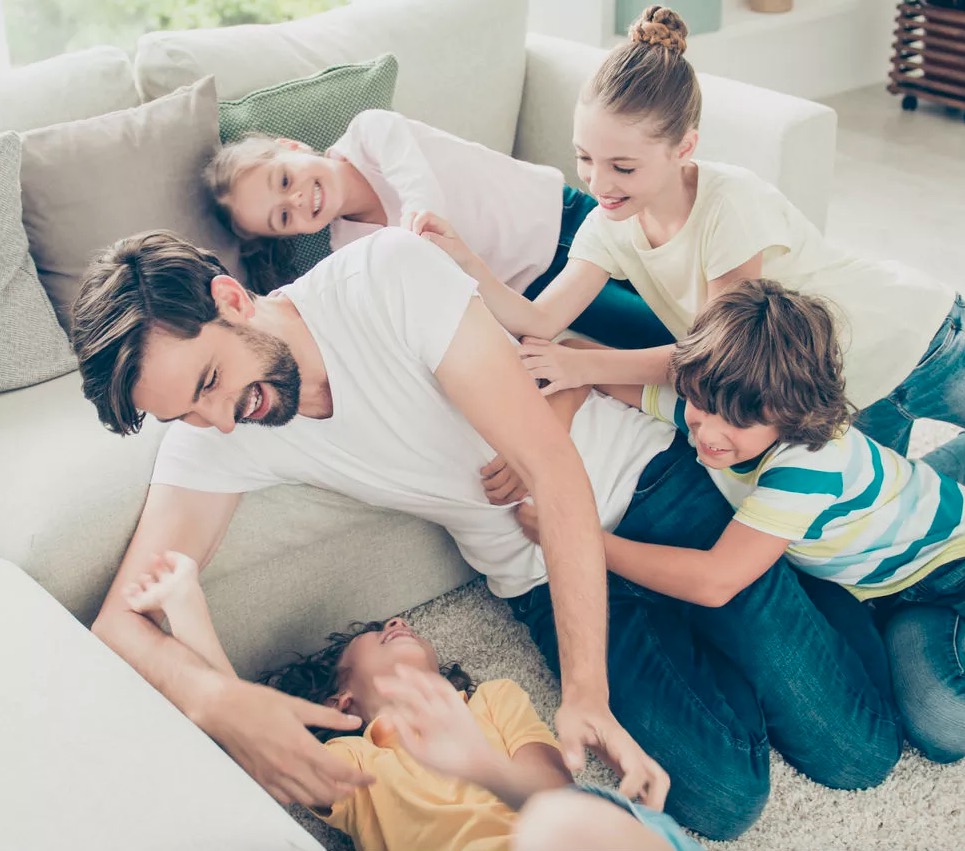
(38, 29)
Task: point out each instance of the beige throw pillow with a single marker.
(91, 182)
(33, 347)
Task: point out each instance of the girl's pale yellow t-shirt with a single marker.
(410, 807)
(887, 314)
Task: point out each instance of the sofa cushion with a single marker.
(33, 347)
(461, 62)
(315, 110)
(88, 183)
(67, 87)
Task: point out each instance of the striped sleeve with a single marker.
(663, 403)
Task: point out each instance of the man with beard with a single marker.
(386, 379)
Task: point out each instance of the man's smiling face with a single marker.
(227, 374)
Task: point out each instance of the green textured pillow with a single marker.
(315, 110)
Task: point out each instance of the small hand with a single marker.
(439, 232)
(171, 578)
(501, 483)
(433, 722)
(265, 732)
(588, 725)
(560, 365)
(528, 517)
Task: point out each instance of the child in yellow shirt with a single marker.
(452, 762)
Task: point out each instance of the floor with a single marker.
(899, 192)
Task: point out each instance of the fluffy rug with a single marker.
(921, 807)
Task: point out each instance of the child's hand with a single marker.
(439, 232)
(433, 722)
(528, 518)
(502, 484)
(560, 365)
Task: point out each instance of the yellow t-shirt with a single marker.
(410, 808)
(887, 314)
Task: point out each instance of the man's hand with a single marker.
(592, 725)
(264, 730)
(560, 365)
(433, 722)
(502, 483)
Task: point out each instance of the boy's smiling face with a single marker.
(720, 445)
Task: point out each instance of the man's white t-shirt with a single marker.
(887, 314)
(508, 211)
(383, 312)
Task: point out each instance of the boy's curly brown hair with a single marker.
(760, 353)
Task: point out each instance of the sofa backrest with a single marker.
(461, 62)
(68, 87)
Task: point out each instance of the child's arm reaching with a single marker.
(172, 588)
(706, 577)
(557, 306)
(437, 727)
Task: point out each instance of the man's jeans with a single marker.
(618, 316)
(705, 690)
(935, 389)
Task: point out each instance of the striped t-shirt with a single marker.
(854, 512)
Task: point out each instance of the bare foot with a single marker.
(172, 580)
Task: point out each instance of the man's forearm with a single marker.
(572, 544)
(176, 671)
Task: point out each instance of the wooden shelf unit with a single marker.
(929, 55)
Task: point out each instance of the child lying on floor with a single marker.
(452, 762)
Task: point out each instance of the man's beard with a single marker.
(281, 373)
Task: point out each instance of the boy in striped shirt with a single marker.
(758, 389)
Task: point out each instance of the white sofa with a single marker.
(298, 562)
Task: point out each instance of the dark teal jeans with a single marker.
(789, 662)
(617, 317)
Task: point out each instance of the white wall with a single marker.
(818, 49)
(4, 51)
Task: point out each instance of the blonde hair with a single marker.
(648, 76)
(268, 260)
(759, 353)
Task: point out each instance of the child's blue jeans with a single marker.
(660, 823)
(925, 636)
(618, 316)
(935, 390)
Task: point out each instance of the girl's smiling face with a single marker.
(625, 167)
(720, 445)
(295, 192)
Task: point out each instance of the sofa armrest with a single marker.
(786, 140)
(96, 759)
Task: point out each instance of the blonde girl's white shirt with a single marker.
(508, 211)
(383, 312)
(887, 315)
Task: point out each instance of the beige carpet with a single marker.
(920, 808)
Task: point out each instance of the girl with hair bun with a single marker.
(683, 230)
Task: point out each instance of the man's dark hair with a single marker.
(318, 677)
(154, 280)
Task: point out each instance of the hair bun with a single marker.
(658, 25)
